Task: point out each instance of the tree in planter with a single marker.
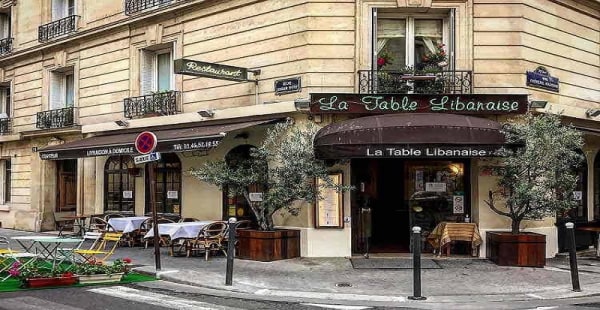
(537, 176)
(283, 167)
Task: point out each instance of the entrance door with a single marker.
(67, 186)
(403, 193)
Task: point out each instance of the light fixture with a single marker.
(122, 123)
(592, 112)
(538, 104)
(206, 113)
(302, 104)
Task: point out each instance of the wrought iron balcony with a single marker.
(6, 45)
(5, 126)
(57, 28)
(416, 82)
(135, 6)
(58, 118)
(161, 103)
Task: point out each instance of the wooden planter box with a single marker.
(268, 246)
(100, 278)
(524, 250)
(46, 282)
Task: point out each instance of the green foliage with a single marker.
(538, 176)
(283, 167)
(93, 267)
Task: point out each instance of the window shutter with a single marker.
(147, 72)
(164, 71)
(58, 9)
(452, 40)
(56, 99)
(4, 26)
(2, 181)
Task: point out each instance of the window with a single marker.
(5, 102)
(168, 185)
(407, 41)
(156, 72)
(62, 9)
(5, 24)
(62, 90)
(119, 184)
(5, 177)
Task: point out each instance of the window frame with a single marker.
(150, 85)
(6, 180)
(57, 92)
(126, 181)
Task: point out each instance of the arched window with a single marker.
(236, 205)
(119, 184)
(168, 185)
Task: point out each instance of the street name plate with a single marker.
(146, 158)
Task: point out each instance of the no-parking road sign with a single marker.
(145, 142)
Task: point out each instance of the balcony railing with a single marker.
(5, 126)
(6, 45)
(58, 118)
(161, 103)
(135, 6)
(57, 28)
(416, 82)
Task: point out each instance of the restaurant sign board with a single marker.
(540, 78)
(406, 151)
(211, 70)
(344, 103)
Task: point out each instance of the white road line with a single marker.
(33, 303)
(535, 296)
(340, 307)
(329, 296)
(155, 299)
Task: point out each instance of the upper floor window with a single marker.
(62, 89)
(418, 41)
(5, 22)
(62, 9)
(5, 102)
(156, 71)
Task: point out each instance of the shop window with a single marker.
(597, 187)
(5, 177)
(407, 40)
(119, 184)
(62, 89)
(62, 9)
(168, 185)
(237, 205)
(156, 72)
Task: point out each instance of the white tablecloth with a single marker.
(127, 224)
(179, 230)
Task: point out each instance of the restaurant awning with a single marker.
(169, 140)
(419, 135)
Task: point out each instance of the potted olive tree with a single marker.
(284, 169)
(536, 179)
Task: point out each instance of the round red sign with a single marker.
(145, 142)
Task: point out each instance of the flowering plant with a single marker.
(97, 267)
(38, 269)
(383, 59)
(438, 57)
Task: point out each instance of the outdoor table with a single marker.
(446, 232)
(28, 242)
(78, 221)
(127, 224)
(179, 230)
(594, 230)
(51, 248)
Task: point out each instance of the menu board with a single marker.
(329, 209)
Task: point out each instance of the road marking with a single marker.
(340, 307)
(330, 296)
(33, 303)
(157, 299)
(535, 296)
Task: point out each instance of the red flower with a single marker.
(381, 61)
(127, 260)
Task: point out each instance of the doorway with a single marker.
(394, 195)
(66, 192)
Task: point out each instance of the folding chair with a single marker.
(102, 249)
(64, 225)
(210, 238)
(8, 257)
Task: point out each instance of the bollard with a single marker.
(416, 264)
(573, 257)
(230, 250)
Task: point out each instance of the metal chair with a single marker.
(103, 249)
(8, 258)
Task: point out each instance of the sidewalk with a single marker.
(458, 280)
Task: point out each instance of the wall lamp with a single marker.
(592, 112)
(206, 113)
(538, 104)
(302, 104)
(122, 123)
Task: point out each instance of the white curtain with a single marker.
(429, 30)
(388, 29)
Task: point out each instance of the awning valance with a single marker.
(169, 140)
(410, 135)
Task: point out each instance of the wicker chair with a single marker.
(210, 238)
